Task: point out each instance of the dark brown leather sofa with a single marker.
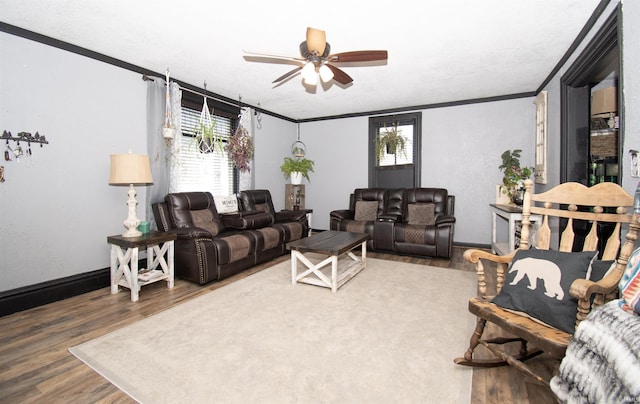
(412, 221)
(212, 247)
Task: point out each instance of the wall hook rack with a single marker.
(25, 137)
(21, 137)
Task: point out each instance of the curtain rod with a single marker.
(146, 77)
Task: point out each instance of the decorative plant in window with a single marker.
(390, 141)
(240, 149)
(514, 174)
(205, 136)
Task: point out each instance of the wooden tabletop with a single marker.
(329, 242)
(153, 237)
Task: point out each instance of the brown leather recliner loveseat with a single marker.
(212, 246)
(412, 221)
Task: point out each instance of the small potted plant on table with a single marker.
(513, 175)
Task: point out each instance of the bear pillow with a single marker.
(538, 283)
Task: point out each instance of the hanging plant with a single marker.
(168, 131)
(206, 138)
(390, 141)
(240, 149)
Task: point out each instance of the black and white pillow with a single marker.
(538, 283)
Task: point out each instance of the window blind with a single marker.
(197, 171)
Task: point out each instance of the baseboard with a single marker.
(28, 297)
(472, 245)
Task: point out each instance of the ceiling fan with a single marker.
(316, 58)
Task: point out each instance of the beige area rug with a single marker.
(389, 335)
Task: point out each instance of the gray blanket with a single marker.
(602, 363)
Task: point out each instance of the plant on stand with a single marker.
(513, 175)
(296, 168)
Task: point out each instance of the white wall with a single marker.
(58, 210)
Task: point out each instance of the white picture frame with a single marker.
(540, 169)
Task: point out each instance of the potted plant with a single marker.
(513, 175)
(206, 138)
(240, 149)
(300, 166)
(390, 141)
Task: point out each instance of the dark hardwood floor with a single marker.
(36, 366)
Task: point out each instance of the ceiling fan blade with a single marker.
(339, 75)
(268, 55)
(316, 41)
(358, 56)
(288, 74)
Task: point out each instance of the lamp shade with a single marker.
(325, 73)
(309, 74)
(127, 169)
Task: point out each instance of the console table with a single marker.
(513, 215)
(124, 261)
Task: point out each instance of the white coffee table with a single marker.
(338, 246)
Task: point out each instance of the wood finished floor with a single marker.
(36, 366)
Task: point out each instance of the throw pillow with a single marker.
(538, 283)
(366, 210)
(226, 204)
(421, 214)
(629, 284)
(600, 269)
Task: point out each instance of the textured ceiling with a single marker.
(439, 51)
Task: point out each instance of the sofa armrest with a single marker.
(290, 216)
(342, 214)
(390, 217)
(189, 233)
(247, 220)
(444, 220)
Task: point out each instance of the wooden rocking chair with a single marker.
(602, 203)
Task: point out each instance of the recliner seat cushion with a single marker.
(356, 226)
(233, 248)
(270, 236)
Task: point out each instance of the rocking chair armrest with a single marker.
(583, 289)
(474, 256)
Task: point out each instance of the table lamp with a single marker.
(130, 169)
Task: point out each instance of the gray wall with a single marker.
(461, 148)
(57, 211)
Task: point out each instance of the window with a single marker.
(197, 171)
(395, 150)
(400, 152)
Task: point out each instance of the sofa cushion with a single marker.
(204, 219)
(422, 214)
(366, 210)
(271, 237)
(544, 294)
(239, 247)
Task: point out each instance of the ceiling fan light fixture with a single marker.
(326, 74)
(309, 74)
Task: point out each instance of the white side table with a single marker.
(513, 215)
(124, 261)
